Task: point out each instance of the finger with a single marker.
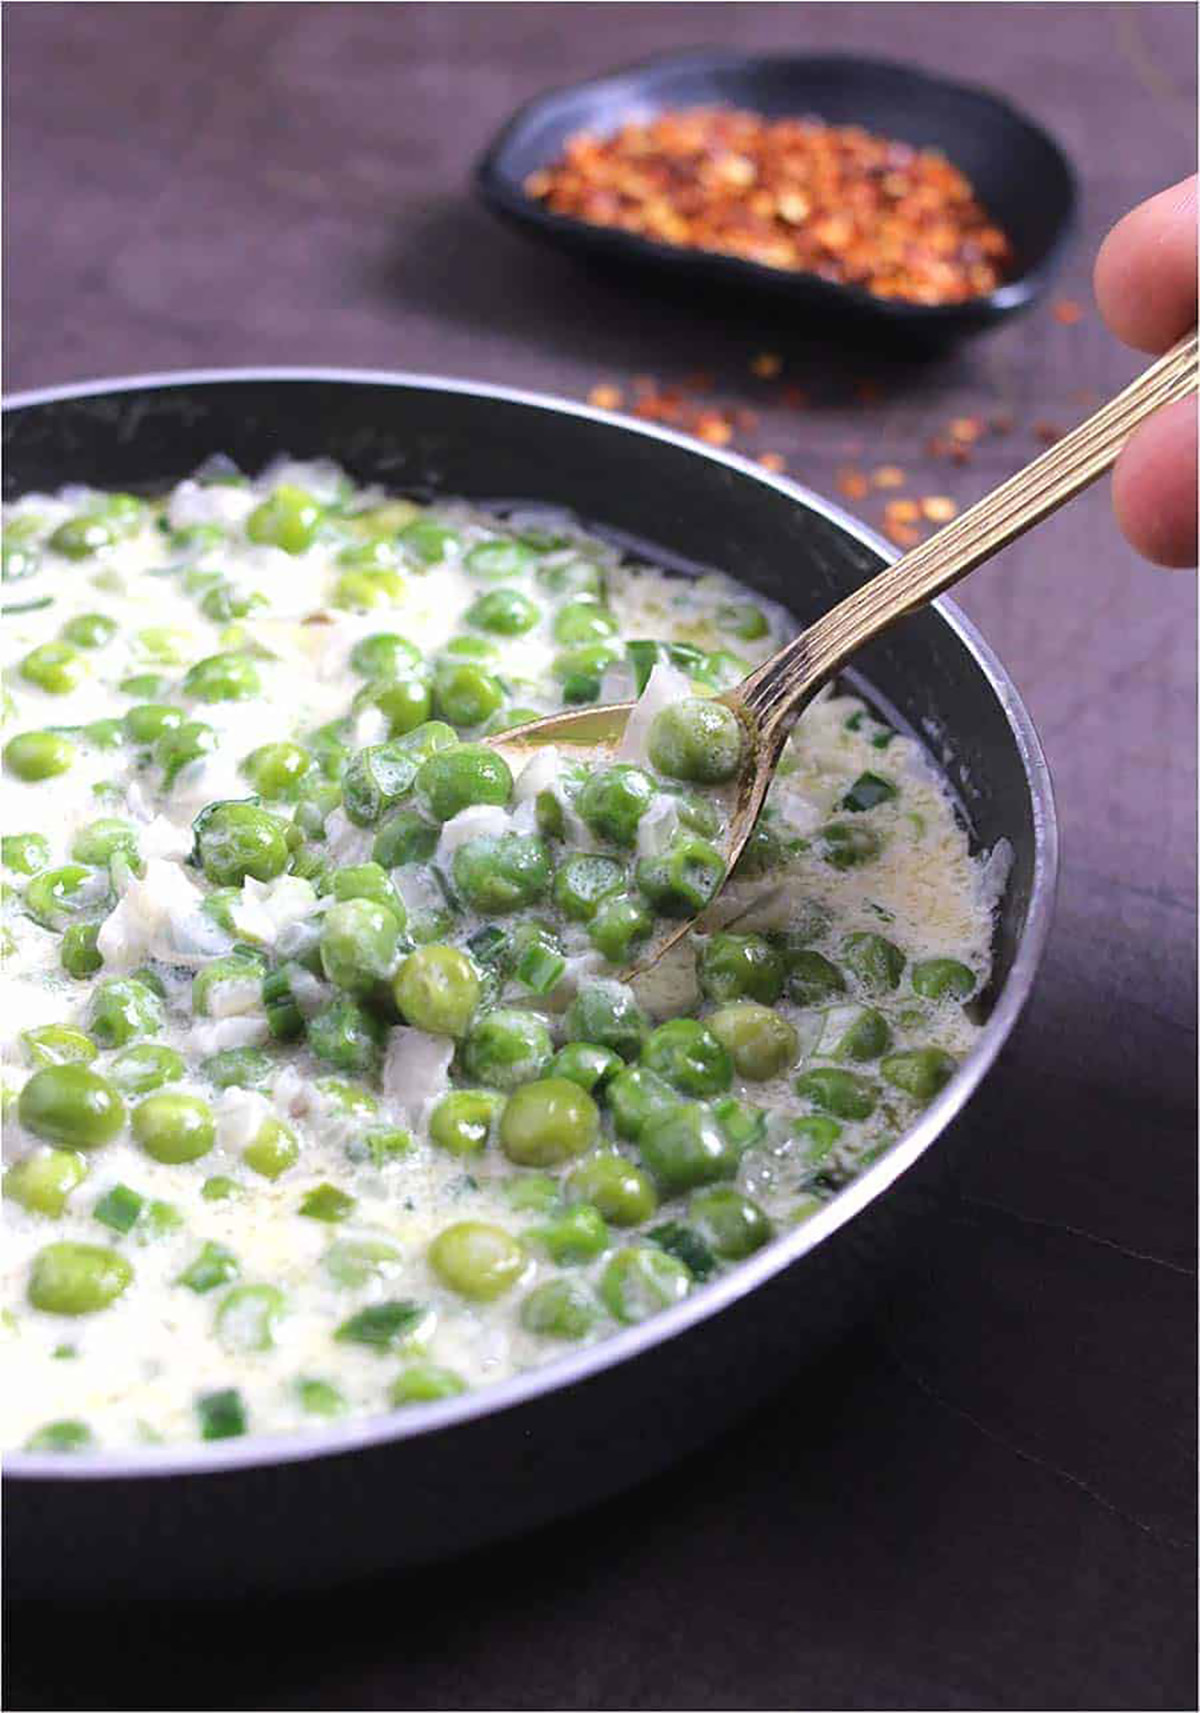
(1154, 487)
(1145, 275)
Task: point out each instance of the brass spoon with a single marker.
(770, 700)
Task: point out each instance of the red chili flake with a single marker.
(902, 511)
(966, 429)
(795, 194)
(745, 420)
(714, 429)
(604, 396)
(795, 398)
(852, 483)
(888, 476)
(774, 461)
(1001, 422)
(1048, 432)
(902, 534)
(1067, 311)
(938, 508)
(767, 365)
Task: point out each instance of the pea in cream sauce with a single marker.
(135, 1371)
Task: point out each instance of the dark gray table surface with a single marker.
(985, 1498)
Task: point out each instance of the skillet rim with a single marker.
(261, 1451)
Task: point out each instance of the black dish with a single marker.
(305, 1509)
(1019, 172)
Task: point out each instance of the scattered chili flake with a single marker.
(902, 534)
(774, 461)
(605, 396)
(966, 429)
(767, 365)
(902, 511)
(938, 508)
(1048, 432)
(1067, 311)
(834, 200)
(714, 430)
(888, 476)
(852, 483)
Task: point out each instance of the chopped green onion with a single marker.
(222, 1414)
(119, 1209)
(383, 1326)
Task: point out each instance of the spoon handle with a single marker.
(778, 690)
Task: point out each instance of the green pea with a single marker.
(876, 961)
(591, 1067)
(223, 678)
(345, 1035)
(464, 694)
(619, 924)
(220, 1188)
(43, 1181)
(273, 1149)
(686, 1148)
(547, 1122)
(843, 1094)
(635, 1097)
(868, 792)
(620, 1191)
(437, 989)
(574, 577)
(740, 966)
(582, 622)
(236, 840)
(277, 771)
(686, 1245)
(941, 978)
(174, 1128)
(843, 845)
(857, 1033)
(179, 746)
(39, 755)
(921, 1072)
(428, 541)
(89, 630)
(18, 551)
(77, 1278)
(358, 944)
(698, 814)
(499, 558)
(732, 1224)
(55, 667)
(225, 985)
(53, 897)
(577, 1235)
(614, 800)
(506, 1048)
(362, 591)
(425, 1383)
(384, 655)
(247, 1317)
(405, 837)
(461, 1122)
(57, 1044)
(583, 882)
(641, 1281)
(456, 779)
(406, 703)
(100, 841)
(122, 1009)
(498, 873)
(504, 612)
(580, 670)
(327, 1202)
(684, 878)
(71, 1105)
(561, 1308)
(818, 1136)
(605, 1014)
(690, 1056)
(66, 1436)
(78, 952)
(761, 1043)
(478, 1261)
(355, 1261)
(696, 740)
(288, 518)
(812, 979)
(375, 779)
(320, 1398)
(25, 853)
(742, 1125)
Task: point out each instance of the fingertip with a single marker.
(1154, 488)
(1145, 272)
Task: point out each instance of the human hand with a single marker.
(1145, 281)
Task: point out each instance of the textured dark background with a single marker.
(985, 1499)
